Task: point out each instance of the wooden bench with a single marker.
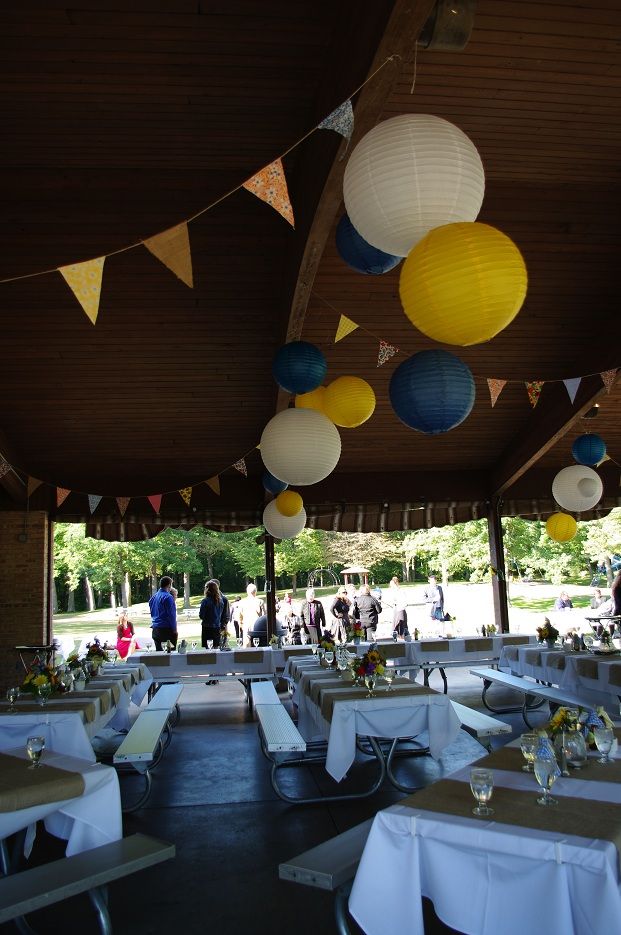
(167, 697)
(480, 726)
(264, 693)
(142, 748)
(529, 689)
(91, 871)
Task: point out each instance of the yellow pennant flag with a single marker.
(84, 280)
(123, 503)
(346, 326)
(270, 185)
(214, 483)
(186, 493)
(172, 248)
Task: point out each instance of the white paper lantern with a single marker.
(283, 527)
(408, 175)
(300, 446)
(577, 488)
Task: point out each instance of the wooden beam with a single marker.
(497, 562)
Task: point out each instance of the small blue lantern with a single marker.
(272, 484)
(432, 391)
(588, 449)
(299, 367)
(359, 254)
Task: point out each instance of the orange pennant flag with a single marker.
(608, 379)
(186, 493)
(172, 248)
(346, 326)
(534, 391)
(61, 495)
(495, 389)
(33, 483)
(214, 483)
(270, 185)
(155, 500)
(84, 280)
(123, 503)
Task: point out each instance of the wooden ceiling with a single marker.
(121, 122)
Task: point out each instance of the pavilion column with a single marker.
(270, 585)
(497, 562)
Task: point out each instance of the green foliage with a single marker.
(304, 553)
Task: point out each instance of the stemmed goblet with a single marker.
(329, 657)
(209, 644)
(546, 774)
(369, 681)
(34, 749)
(528, 745)
(255, 641)
(603, 741)
(482, 787)
(12, 695)
(389, 675)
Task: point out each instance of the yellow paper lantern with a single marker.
(349, 401)
(289, 503)
(561, 527)
(313, 400)
(463, 283)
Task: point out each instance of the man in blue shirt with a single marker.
(163, 615)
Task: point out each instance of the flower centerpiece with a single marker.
(355, 632)
(369, 667)
(41, 680)
(547, 633)
(96, 654)
(274, 641)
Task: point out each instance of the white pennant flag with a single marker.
(572, 387)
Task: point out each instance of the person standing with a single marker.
(313, 617)
(163, 615)
(250, 609)
(398, 599)
(367, 610)
(434, 596)
(210, 613)
(226, 609)
(340, 609)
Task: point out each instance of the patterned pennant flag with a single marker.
(33, 483)
(534, 390)
(571, 386)
(172, 248)
(84, 280)
(241, 467)
(93, 502)
(270, 185)
(340, 120)
(346, 326)
(5, 467)
(186, 494)
(61, 495)
(385, 352)
(495, 389)
(156, 501)
(214, 483)
(123, 503)
(608, 379)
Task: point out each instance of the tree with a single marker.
(360, 548)
(304, 553)
(248, 554)
(602, 540)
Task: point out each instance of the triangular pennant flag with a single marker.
(84, 280)
(186, 494)
(123, 503)
(93, 502)
(346, 326)
(341, 120)
(270, 185)
(604, 459)
(534, 390)
(32, 485)
(385, 352)
(495, 389)
(156, 501)
(172, 248)
(5, 467)
(571, 386)
(608, 378)
(214, 483)
(61, 495)
(241, 467)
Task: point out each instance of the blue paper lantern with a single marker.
(432, 391)
(359, 254)
(299, 367)
(588, 449)
(272, 484)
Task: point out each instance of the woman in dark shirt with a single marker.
(210, 613)
(340, 609)
(367, 610)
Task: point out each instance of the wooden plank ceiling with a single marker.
(119, 123)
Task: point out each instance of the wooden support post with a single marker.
(270, 586)
(497, 562)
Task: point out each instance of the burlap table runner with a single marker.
(329, 696)
(57, 706)
(394, 650)
(478, 646)
(592, 819)
(156, 661)
(532, 657)
(201, 659)
(113, 687)
(249, 655)
(438, 646)
(511, 653)
(514, 640)
(103, 694)
(614, 675)
(555, 660)
(510, 759)
(21, 787)
(587, 668)
(124, 679)
(302, 651)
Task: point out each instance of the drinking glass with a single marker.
(34, 749)
(528, 745)
(194, 644)
(43, 693)
(369, 681)
(329, 657)
(149, 646)
(389, 675)
(255, 641)
(603, 741)
(304, 637)
(482, 787)
(314, 648)
(209, 644)
(239, 641)
(546, 771)
(12, 695)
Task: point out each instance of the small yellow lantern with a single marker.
(289, 503)
(349, 401)
(561, 527)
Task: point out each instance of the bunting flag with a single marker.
(495, 389)
(123, 503)
(534, 391)
(571, 386)
(270, 185)
(84, 280)
(186, 494)
(61, 495)
(5, 467)
(608, 378)
(340, 120)
(604, 459)
(93, 502)
(241, 467)
(346, 326)
(214, 483)
(155, 500)
(32, 485)
(172, 248)
(385, 352)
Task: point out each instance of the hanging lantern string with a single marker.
(221, 198)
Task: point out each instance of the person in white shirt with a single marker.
(398, 599)
(249, 609)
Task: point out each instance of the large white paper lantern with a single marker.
(577, 488)
(300, 446)
(283, 527)
(408, 175)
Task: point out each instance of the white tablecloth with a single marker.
(225, 663)
(64, 733)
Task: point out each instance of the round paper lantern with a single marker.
(463, 283)
(283, 527)
(359, 254)
(408, 175)
(433, 391)
(300, 446)
(313, 400)
(561, 527)
(577, 488)
(349, 401)
(299, 367)
(272, 484)
(289, 503)
(588, 449)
